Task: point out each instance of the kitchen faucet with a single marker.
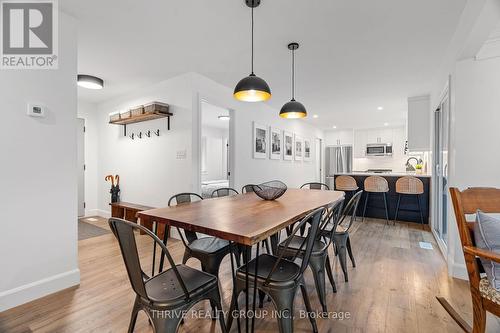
(410, 167)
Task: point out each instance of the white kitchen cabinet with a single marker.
(337, 138)
(379, 135)
(360, 141)
(419, 113)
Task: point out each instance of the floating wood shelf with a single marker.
(151, 111)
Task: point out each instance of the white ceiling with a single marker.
(210, 116)
(354, 55)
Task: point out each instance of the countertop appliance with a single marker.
(379, 149)
(338, 159)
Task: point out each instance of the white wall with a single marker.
(88, 111)
(149, 169)
(473, 113)
(38, 191)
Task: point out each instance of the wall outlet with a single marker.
(36, 110)
(181, 154)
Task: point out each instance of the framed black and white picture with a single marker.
(276, 143)
(307, 150)
(299, 149)
(287, 146)
(259, 141)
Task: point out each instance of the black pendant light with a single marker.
(252, 88)
(293, 109)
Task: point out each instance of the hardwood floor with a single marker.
(392, 289)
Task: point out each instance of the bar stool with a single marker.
(409, 185)
(346, 184)
(376, 184)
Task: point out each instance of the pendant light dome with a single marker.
(252, 88)
(293, 109)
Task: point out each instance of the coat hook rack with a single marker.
(157, 132)
(132, 136)
(139, 135)
(148, 134)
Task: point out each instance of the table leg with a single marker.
(165, 237)
(234, 252)
(155, 227)
(246, 259)
(255, 285)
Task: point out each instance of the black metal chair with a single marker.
(319, 257)
(224, 192)
(279, 277)
(210, 251)
(316, 186)
(165, 296)
(249, 188)
(341, 238)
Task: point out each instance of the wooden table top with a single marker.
(243, 218)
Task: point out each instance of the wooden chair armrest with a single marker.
(482, 253)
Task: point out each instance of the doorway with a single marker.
(215, 170)
(440, 170)
(80, 148)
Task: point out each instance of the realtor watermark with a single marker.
(242, 314)
(29, 34)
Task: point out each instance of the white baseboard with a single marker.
(31, 291)
(102, 213)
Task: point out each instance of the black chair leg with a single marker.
(386, 209)
(366, 203)
(397, 209)
(330, 274)
(349, 251)
(308, 307)
(133, 317)
(420, 210)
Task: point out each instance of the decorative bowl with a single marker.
(270, 190)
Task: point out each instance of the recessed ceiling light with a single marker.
(315, 116)
(386, 124)
(334, 126)
(90, 82)
(223, 117)
(380, 108)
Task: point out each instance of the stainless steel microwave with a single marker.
(379, 149)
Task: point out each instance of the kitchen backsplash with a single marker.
(397, 162)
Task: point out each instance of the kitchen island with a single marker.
(408, 208)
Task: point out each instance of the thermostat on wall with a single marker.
(36, 110)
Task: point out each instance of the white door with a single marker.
(81, 165)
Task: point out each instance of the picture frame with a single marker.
(298, 148)
(307, 150)
(276, 143)
(260, 141)
(288, 146)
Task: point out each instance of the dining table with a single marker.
(244, 219)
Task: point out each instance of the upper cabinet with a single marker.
(419, 112)
(379, 135)
(337, 138)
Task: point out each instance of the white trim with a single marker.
(101, 213)
(31, 291)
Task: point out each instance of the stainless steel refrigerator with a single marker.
(338, 159)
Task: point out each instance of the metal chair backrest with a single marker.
(409, 185)
(124, 233)
(350, 210)
(249, 188)
(346, 183)
(331, 217)
(224, 192)
(376, 184)
(316, 186)
(182, 198)
(314, 219)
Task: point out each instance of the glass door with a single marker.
(440, 167)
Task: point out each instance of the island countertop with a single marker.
(384, 174)
(408, 208)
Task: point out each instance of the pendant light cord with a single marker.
(252, 41)
(293, 75)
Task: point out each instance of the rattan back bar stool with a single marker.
(376, 184)
(409, 186)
